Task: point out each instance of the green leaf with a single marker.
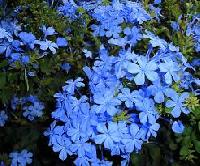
(4, 63)
(199, 125)
(2, 80)
(197, 146)
(184, 151)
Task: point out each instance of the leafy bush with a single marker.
(99, 82)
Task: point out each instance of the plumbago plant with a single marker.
(117, 81)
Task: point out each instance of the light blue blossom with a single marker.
(108, 135)
(88, 54)
(133, 142)
(45, 45)
(3, 118)
(142, 69)
(73, 85)
(133, 35)
(158, 91)
(4, 34)
(127, 96)
(155, 40)
(62, 145)
(157, 1)
(177, 103)
(177, 127)
(106, 102)
(61, 42)
(48, 31)
(121, 62)
(148, 111)
(33, 111)
(21, 159)
(28, 39)
(175, 25)
(171, 71)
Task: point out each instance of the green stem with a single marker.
(26, 79)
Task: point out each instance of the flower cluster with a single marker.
(31, 106)
(69, 10)
(132, 79)
(120, 108)
(23, 158)
(3, 118)
(109, 19)
(15, 43)
(193, 29)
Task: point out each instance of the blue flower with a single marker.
(62, 145)
(2, 163)
(88, 119)
(157, 1)
(170, 70)
(193, 29)
(4, 34)
(22, 158)
(127, 97)
(10, 26)
(75, 131)
(121, 62)
(61, 42)
(15, 102)
(133, 35)
(53, 132)
(15, 57)
(31, 106)
(25, 59)
(195, 62)
(81, 148)
(152, 129)
(3, 118)
(177, 127)
(143, 68)
(28, 39)
(88, 54)
(101, 163)
(132, 142)
(31, 73)
(148, 112)
(69, 10)
(177, 103)
(175, 25)
(82, 161)
(155, 40)
(158, 90)
(187, 80)
(156, 11)
(33, 111)
(66, 67)
(73, 85)
(26, 157)
(48, 31)
(106, 102)
(136, 13)
(113, 31)
(44, 45)
(107, 135)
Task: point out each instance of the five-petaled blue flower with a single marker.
(177, 103)
(142, 69)
(108, 135)
(170, 69)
